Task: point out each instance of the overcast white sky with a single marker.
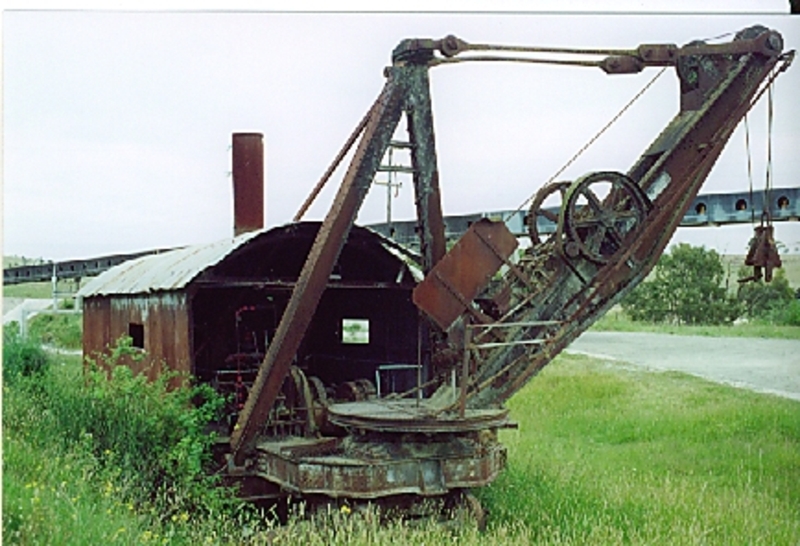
(117, 125)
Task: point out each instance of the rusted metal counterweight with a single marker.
(448, 291)
(762, 254)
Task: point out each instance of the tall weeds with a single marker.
(603, 455)
(141, 443)
(22, 358)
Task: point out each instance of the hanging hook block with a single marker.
(763, 254)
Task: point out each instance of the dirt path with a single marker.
(764, 365)
(15, 308)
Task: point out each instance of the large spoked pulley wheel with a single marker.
(600, 211)
(547, 204)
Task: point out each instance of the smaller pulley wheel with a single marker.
(600, 211)
(548, 211)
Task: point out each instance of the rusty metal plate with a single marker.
(413, 416)
(464, 271)
(420, 472)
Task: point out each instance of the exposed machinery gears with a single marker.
(538, 209)
(599, 212)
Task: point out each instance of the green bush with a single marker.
(155, 435)
(686, 288)
(22, 357)
(765, 300)
(787, 314)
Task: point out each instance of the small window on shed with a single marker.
(355, 331)
(136, 331)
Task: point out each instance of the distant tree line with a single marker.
(688, 286)
(16, 261)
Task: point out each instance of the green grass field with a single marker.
(617, 321)
(603, 455)
(610, 455)
(42, 290)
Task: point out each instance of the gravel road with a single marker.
(764, 365)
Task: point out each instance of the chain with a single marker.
(749, 168)
(768, 184)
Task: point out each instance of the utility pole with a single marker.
(391, 183)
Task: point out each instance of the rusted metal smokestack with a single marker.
(248, 182)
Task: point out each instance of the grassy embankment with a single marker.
(603, 455)
(606, 455)
(63, 330)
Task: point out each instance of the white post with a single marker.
(54, 280)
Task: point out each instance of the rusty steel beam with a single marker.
(407, 90)
(319, 264)
(430, 222)
(334, 165)
(687, 162)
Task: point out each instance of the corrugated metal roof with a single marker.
(405, 256)
(172, 270)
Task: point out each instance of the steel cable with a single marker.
(749, 168)
(768, 183)
(590, 142)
